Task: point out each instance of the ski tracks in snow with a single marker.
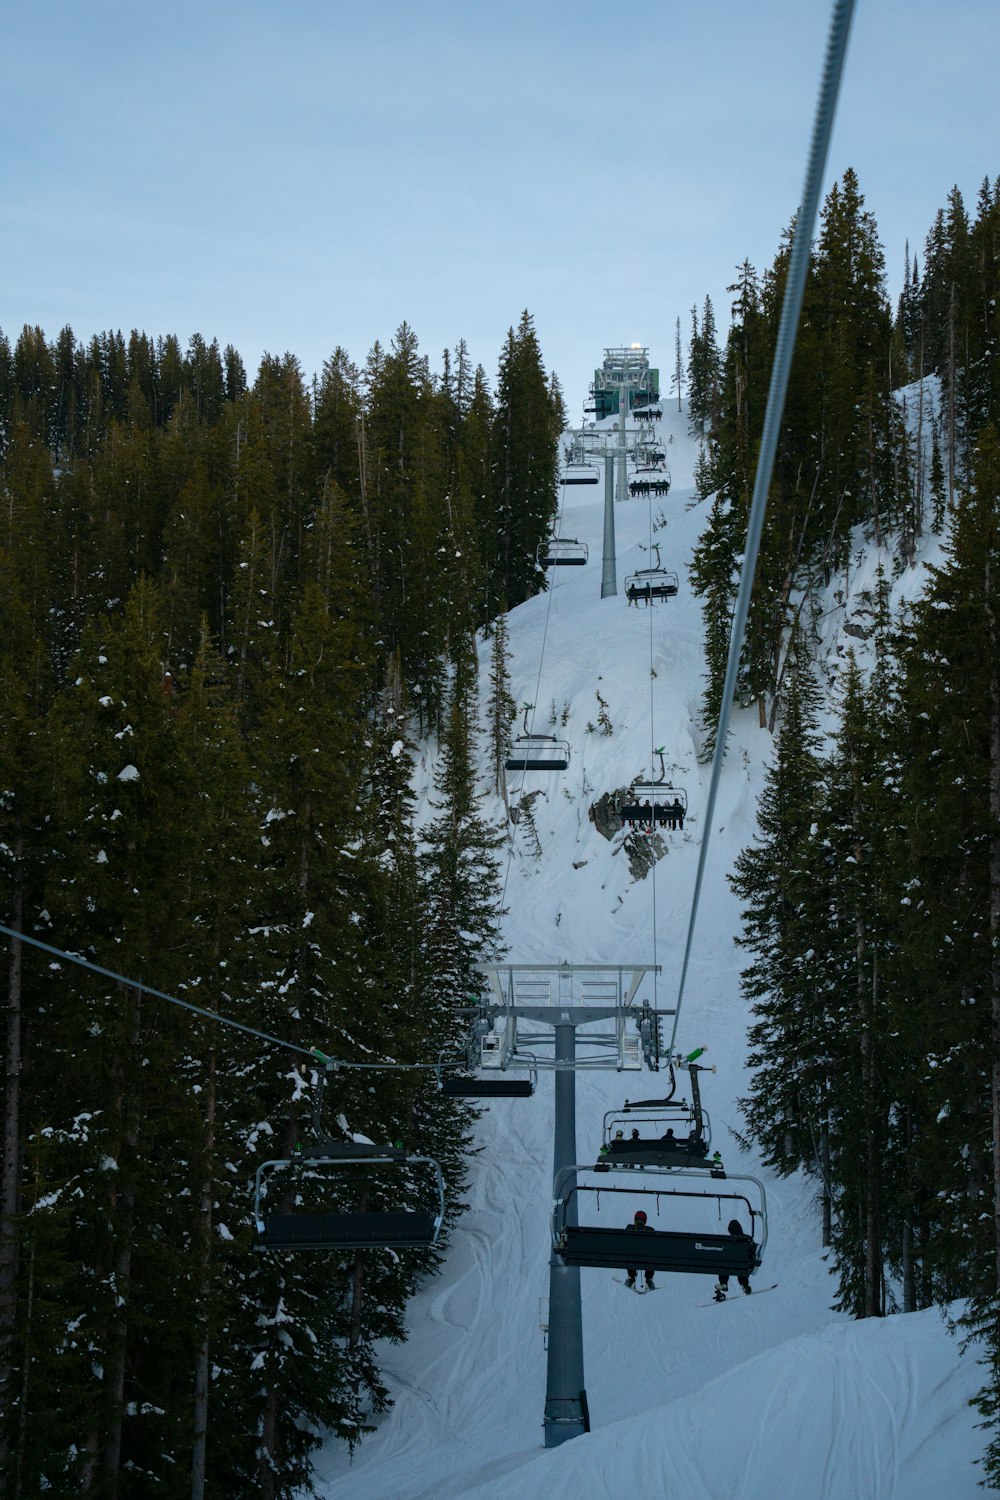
(486, 1338)
(861, 1461)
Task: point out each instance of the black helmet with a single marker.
(735, 1227)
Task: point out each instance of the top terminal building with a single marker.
(624, 369)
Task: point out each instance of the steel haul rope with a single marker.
(798, 266)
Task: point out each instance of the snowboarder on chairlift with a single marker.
(639, 1223)
(634, 1136)
(735, 1229)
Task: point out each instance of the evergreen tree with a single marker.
(704, 474)
(408, 475)
(235, 373)
(207, 655)
(938, 495)
(335, 426)
(205, 378)
(781, 887)
(855, 989)
(525, 437)
(22, 819)
(221, 908)
(121, 802)
(460, 862)
(703, 373)
(310, 749)
(474, 474)
(501, 709)
(35, 388)
(715, 579)
(677, 379)
(951, 696)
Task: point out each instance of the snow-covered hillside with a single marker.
(765, 1397)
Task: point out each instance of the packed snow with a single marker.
(764, 1397)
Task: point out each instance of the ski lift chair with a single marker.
(410, 1229)
(580, 473)
(562, 552)
(670, 1135)
(650, 584)
(654, 803)
(538, 752)
(701, 1252)
(463, 1084)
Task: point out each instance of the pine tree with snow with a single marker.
(861, 894)
(460, 861)
(125, 861)
(951, 700)
(938, 493)
(501, 709)
(780, 883)
(24, 813)
(714, 578)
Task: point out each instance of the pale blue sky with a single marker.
(297, 174)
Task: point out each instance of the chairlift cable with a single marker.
(538, 682)
(148, 989)
(316, 1054)
(798, 266)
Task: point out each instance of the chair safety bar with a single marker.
(349, 1230)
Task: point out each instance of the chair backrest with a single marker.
(660, 1250)
(348, 1231)
(657, 1153)
(487, 1088)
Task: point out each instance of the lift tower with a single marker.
(540, 1017)
(624, 374)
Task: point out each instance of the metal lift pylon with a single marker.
(609, 569)
(566, 1413)
(515, 990)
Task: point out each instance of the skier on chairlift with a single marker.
(606, 1149)
(639, 1223)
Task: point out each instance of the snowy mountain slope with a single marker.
(874, 1412)
(768, 1397)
